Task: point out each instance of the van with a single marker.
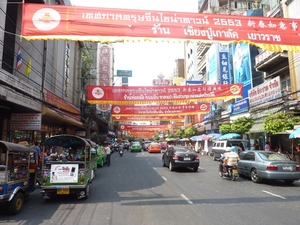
(220, 146)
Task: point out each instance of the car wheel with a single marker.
(195, 168)
(289, 181)
(171, 167)
(16, 204)
(254, 176)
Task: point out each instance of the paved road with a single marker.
(137, 190)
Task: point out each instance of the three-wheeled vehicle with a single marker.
(62, 172)
(18, 171)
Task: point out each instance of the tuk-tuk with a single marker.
(62, 174)
(94, 157)
(18, 171)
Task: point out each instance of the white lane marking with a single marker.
(164, 178)
(186, 198)
(270, 193)
(154, 168)
(200, 168)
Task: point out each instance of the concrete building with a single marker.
(40, 82)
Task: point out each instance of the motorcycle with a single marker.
(121, 153)
(116, 148)
(231, 173)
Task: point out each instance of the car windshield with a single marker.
(136, 143)
(154, 144)
(272, 156)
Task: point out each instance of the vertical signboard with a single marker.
(104, 65)
(224, 64)
(241, 65)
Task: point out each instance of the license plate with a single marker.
(287, 167)
(235, 171)
(187, 158)
(64, 191)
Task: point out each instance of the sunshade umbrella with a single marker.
(197, 138)
(229, 136)
(295, 134)
(211, 136)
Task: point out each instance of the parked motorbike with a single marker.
(231, 173)
(121, 153)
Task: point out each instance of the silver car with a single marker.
(259, 165)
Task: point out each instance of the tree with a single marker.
(242, 124)
(225, 128)
(191, 131)
(178, 133)
(279, 122)
(156, 137)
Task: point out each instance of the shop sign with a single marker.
(26, 121)
(268, 91)
(240, 106)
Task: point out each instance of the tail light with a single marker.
(298, 168)
(234, 167)
(272, 167)
(197, 157)
(175, 156)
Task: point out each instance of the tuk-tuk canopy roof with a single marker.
(66, 141)
(15, 147)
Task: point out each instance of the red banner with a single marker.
(147, 118)
(145, 127)
(126, 95)
(141, 134)
(43, 21)
(161, 110)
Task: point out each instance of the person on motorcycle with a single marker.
(229, 158)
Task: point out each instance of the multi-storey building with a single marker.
(40, 82)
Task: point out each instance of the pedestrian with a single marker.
(256, 146)
(38, 151)
(108, 152)
(267, 146)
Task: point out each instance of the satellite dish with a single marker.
(93, 72)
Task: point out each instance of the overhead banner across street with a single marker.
(127, 95)
(161, 110)
(147, 118)
(43, 21)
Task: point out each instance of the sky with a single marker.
(146, 60)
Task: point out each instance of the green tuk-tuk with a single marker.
(18, 171)
(62, 173)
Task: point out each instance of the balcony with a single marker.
(202, 49)
(267, 60)
(201, 64)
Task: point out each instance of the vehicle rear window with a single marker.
(154, 144)
(272, 156)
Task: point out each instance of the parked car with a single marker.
(178, 158)
(154, 147)
(219, 147)
(136, 147)
(126, 145)
(259, 165)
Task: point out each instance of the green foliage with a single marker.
(156, 138)
(225, 128)
(242, 124)
(178, 133)
(98, 138)
(87, 61)
(191, 131)
(279, 122)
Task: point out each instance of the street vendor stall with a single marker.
(295, 136)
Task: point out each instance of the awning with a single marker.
(259, 118)
(61, 118)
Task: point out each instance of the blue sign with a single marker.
(124, 73)
(193, 82)
(241, 106)
(224, 65)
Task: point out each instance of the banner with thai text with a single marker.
(147, 118)
(44, 21)
(127, 95)
(124, 127)
(160, 110)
